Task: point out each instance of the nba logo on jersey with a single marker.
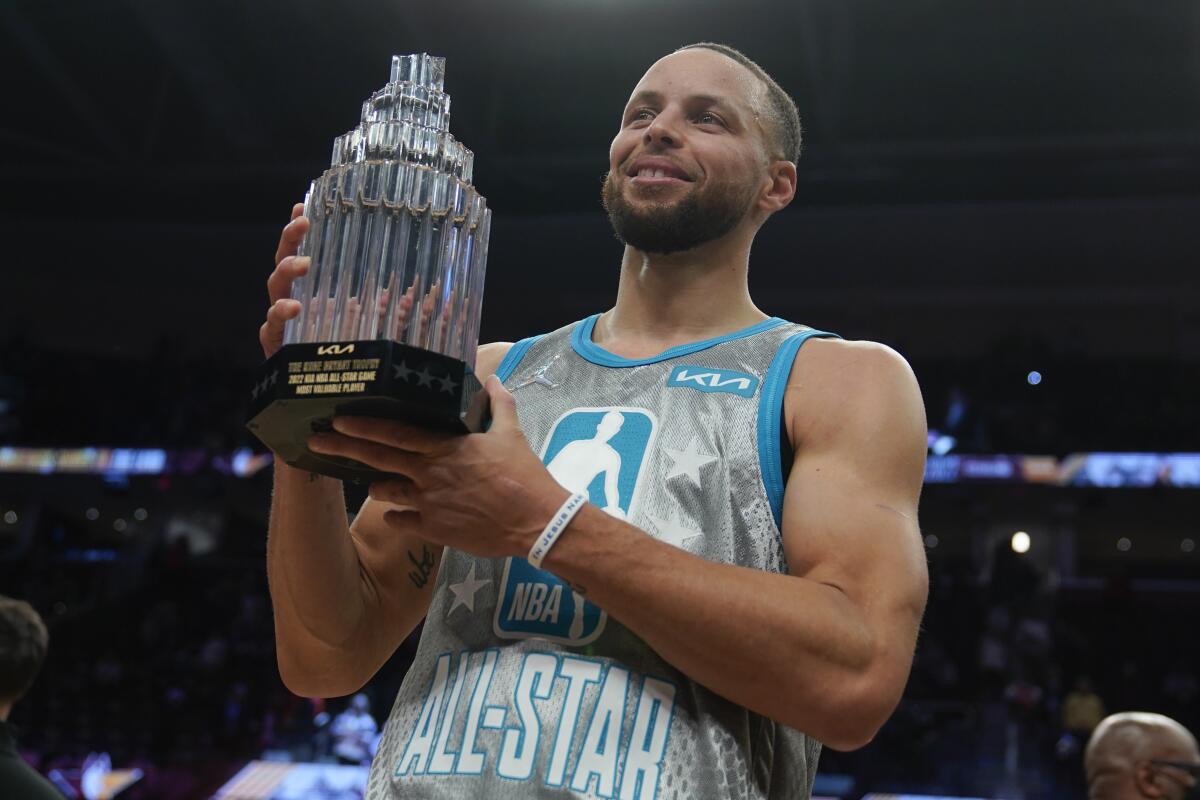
(599, 452)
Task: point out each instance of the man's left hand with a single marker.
(483, 493)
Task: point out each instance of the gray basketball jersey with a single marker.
(520, 687)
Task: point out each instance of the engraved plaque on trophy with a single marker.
(390, 305)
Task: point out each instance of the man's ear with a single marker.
(1147, 780)
(780, 187)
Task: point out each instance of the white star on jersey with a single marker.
(672, 531)
(687, 461)
(464, 592)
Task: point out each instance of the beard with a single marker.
(671, 227)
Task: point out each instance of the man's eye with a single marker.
(709, 118)
(641, 114)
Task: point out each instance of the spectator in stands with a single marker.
(23, 642)
(1137, 754)
(1082, 709)
(353, 732)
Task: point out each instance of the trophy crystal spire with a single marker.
(390, 305)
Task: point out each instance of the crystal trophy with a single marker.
(390, 305)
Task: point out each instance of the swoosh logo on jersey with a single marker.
(708, 379)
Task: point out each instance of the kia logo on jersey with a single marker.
(708, 379)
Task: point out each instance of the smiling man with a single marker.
(684, 556)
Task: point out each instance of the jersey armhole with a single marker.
(772, 433)
(512, 359)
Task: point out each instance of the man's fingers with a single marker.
(264, 338)
(281, 311)
(289, 240)
(504, 407)
(379, 456)
(391, 433)
(279, 284)
(404, 306)
(427, 307)
(270, 334)
(399, 492)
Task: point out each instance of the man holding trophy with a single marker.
(683, 555)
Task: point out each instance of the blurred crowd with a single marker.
(164, 659)
(1020, 398)
(1012, 674)
(162, 654)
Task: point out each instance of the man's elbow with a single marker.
(854, 717)
(308, 686)
(851, 735)
(307, 682)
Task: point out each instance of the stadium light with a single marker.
(1021, 542)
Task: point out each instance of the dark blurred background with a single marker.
(992, 189)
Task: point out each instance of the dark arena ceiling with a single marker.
(162, 132)
(204, 108)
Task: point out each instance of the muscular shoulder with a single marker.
(852, 364)
(839, 388)
(488, 358)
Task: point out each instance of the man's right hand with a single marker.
(345, 597)
(288, 267)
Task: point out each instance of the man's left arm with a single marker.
(825, 649)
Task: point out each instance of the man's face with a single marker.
(1179, 747)
(689, 159)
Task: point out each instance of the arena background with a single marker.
(1007, 193)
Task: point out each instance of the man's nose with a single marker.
(663, 131)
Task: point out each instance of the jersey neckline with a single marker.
(581, 343)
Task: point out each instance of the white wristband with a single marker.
(558, 523)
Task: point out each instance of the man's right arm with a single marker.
(344, 595)
(321, 586)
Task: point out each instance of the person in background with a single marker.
(1082, 709)
(23, 643)
(1136, 754)
(354, 731)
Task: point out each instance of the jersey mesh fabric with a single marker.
(690, 424)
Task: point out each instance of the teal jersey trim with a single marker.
(512, 358)
(581, 342)
(770, 410)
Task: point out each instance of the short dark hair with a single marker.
(783, 129)
(23, 643)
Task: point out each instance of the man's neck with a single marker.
(664, 301)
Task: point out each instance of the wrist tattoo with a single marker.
(424, 566)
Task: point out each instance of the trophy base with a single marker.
(304, 386)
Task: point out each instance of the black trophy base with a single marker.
(304, 386)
